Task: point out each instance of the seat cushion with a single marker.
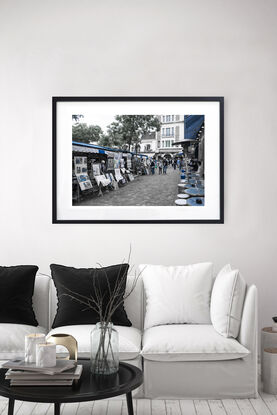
(129, 339)
(189, 342)
(12, 339)
(227, 302)
(177, 294)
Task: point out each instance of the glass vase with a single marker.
(104, 349)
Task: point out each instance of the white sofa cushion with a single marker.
(227, 302)
(12, 339)
(177, 294)
(41, 299)
(189, 342)
(129, 339)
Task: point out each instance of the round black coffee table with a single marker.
(89, 388)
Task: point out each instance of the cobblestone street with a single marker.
(152, 190)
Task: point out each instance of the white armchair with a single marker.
(233, 378)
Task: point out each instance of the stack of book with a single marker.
(21, 373)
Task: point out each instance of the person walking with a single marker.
(160, 166)
(174, 164)
(152, 167)
(164, 166)
(182, 164)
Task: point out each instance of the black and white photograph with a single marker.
(138, 159)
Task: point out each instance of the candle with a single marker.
(31, 340)
(46, 355)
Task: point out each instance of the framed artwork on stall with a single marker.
(156, 159)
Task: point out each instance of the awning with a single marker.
(81, 149)
(104, 150)
(192, 124)
(186, 141)
(93, 148)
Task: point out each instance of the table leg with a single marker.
(57, 407)
(11, 406)
(129, 403)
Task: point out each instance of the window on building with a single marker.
(177, 117)
(172, 117)
(172, 131)
(163, 131)
(177, 131)
(159, 144)
(167, 132)
(168, 118)
(163, 143)
(163, 118)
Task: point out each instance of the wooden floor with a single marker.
(264, 405)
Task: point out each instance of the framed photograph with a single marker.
(138, 159)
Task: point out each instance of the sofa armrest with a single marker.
(249, 321)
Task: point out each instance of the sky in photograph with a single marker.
(103, 120)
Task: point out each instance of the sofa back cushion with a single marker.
(227, 302)
(80, 291)
(41, 299)
(16, 294)
(132, 305)
(177, 294)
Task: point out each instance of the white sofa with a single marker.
(179, 361)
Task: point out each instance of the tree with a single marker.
(129, 129)
(105, 141)
(113, 138)
(86, 133)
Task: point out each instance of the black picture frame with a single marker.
(59, 99)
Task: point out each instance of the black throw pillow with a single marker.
(16, 292)
(74, 281)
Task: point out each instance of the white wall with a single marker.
(156, 47)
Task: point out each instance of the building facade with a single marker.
(148, 144)
(161, 143)
(172, 130)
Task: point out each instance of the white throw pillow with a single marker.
(177, 294)
(227, 302)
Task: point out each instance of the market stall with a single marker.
(97, 169)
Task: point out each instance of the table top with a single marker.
(180, 202)
(192, 201)
(89, 388)
(194, 191)
(271, 350)
(182, 196)
(269, 330)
